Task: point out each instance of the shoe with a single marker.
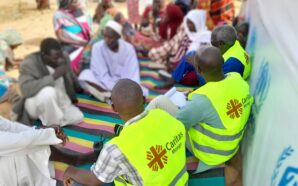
(117, 129)
(97, 147)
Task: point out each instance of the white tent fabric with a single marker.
(270, 146)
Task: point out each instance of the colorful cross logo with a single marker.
(234, 108)
(158, 158)
(246, 58)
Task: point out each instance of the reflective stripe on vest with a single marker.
(215, 146)
(158, 156)
(236, 51)
(218, 137)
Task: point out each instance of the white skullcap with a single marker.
(115, 26)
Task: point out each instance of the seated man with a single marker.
(143, 153)
(235, 57)
(25, 154)
(112, 59)
(48, 87)
(222, 107)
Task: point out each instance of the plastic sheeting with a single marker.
(270, 146)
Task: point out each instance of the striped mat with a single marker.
(98, 125)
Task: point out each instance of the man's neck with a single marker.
(115, 49)
(215, 78)
(132, 115)
(226, 48)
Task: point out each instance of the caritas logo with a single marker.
(157, 157)
(234, 108)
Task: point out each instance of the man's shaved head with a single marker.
(209, 61)
(127, 98)
(223, 37)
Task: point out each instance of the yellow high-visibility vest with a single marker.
(232, 101)
(239, 53)
(155, 146)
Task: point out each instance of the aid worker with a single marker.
(143, 153)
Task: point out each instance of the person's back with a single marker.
(158, 157)
(228, 103)
(236, 52)
(222, 108)
(235, 58)
(143, 153)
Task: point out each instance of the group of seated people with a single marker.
(210, 125)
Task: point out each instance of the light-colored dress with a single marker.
(75, 28)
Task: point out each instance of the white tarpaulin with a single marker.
(271, 143)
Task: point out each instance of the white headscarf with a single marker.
(202, 34)
(115, 26)
(11, 37)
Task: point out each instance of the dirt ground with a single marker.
(35, 25)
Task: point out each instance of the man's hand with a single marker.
(67, 177)
(59, 71)
(59, 133)
(83, 43)
(67, 181)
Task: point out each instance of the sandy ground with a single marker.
(34, 25)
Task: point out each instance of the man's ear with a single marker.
(144, 100)
(114, 109)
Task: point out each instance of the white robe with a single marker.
(24, 154)
(108, 67)
(52, 105)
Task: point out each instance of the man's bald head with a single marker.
(127, 98)
(209, 62)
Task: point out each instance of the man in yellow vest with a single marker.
(143, 153)
(215, 114)
(235, 58)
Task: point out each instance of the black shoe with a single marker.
(117, 129)
(97, 147)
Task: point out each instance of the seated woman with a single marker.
(196, 34)
(102, 8)
(157, 26)
(9, 41)
(218, 12)
(170, 22)
(148, 35)
(72, 28)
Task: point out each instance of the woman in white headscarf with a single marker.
(196, 34)
(9, 40)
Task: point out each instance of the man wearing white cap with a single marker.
(112, 59)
